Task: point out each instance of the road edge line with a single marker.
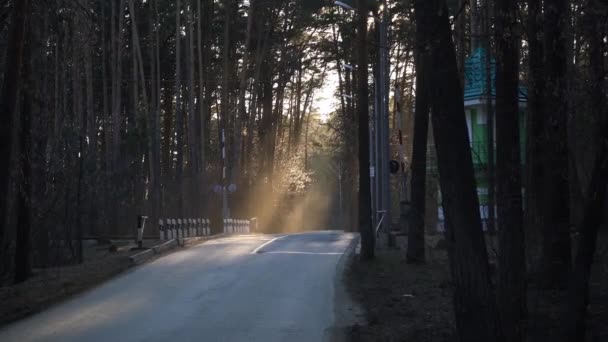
(257, 250)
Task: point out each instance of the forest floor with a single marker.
(403, 302)
(408, 302)
(49, 286)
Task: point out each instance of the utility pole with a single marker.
(365, 222)
(381, 148)
(383, 82)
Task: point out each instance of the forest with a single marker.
(496, 113)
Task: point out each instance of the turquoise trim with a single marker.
(475, 78)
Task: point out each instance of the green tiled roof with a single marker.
(475, 77)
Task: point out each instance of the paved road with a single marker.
(242, 288)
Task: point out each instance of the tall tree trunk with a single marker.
(168, 133)
(179, 123)
(339, 66)
(107, 107)
(201, 132)
(241, 115)
(365, 218)
(79, 121)
(23, 242)
(8, 103)
(92, 133)
(533, 171)
(297, 114)
(193, 143)
(461, 36)
(556, 255)
(117, 38)
(415, 240)
(474, 301)
(155, 117)
(491, 173)
(265, 127)
(511, 261)
(225, 95)
(578, 297)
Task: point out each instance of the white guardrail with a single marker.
(232, 226)
(183, 228)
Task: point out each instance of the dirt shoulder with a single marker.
(402, 302)
(53, 285)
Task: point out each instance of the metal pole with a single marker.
(375, 156)
(383, 126)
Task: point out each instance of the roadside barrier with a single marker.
(232, 226)
(183, 228)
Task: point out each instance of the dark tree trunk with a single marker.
(415, 241)
(23, 245)
(474, 301)
(556, 255)
(578, 298)
(179, 116)
(490, 127)
(8, 104)
(365, 219)
(533, 171)
(168, 134)
(511, 261)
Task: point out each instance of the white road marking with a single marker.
(305, 253)
(257, 250)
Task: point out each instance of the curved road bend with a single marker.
(241, 288)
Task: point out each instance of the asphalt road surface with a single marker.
(241, 288)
